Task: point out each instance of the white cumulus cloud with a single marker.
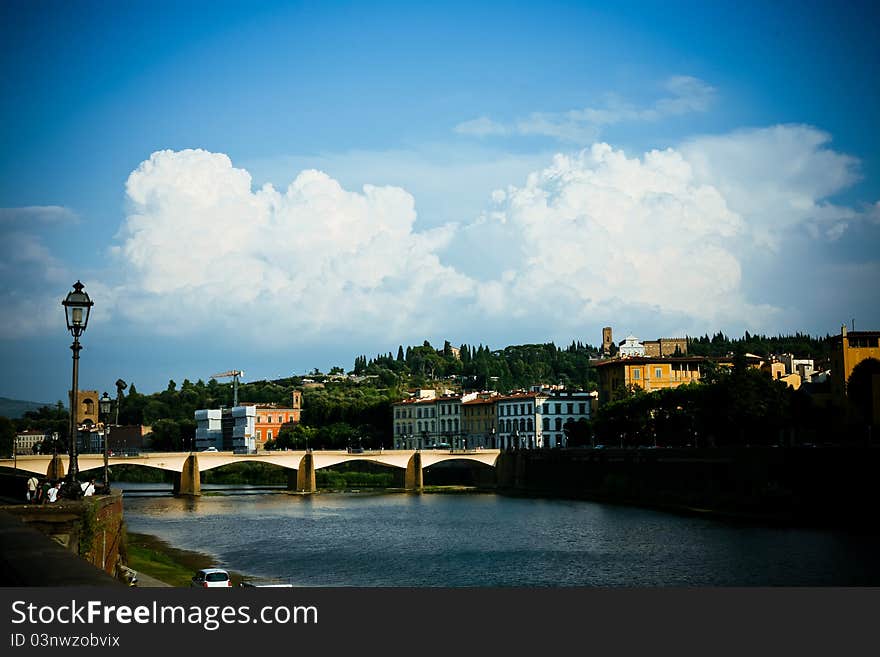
(201, 246)
(598, 232)
(661, 242)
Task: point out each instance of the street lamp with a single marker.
(77, 308)
(104, 406)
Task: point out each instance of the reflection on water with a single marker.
(491, 540)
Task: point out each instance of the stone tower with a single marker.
(607, 340)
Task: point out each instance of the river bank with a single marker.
(169, 564)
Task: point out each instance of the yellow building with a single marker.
(478, 420)
(848, 350)
(776, 370)
(647, 373)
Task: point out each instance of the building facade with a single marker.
(478, 420)
(269, 418)
(449, 427)
(26, 441)
(559, 409)
(87, 407)
(631, 347)
(415, 423)
(226, 429)
(666, 347)
(848, 350)
(649, 374)
(518, 420)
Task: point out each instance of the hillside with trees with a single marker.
(340, 409)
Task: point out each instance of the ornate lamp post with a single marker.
(104, 406)
(77, 308)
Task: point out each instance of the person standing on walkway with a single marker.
(32, 485)
(43, 492)
(52, 493)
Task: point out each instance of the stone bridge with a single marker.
(188, 465)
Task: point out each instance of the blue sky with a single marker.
(533, 171)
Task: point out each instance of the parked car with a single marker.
(210, 449)
(209, 578)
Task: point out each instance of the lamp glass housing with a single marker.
(77, 307)
(104, 404)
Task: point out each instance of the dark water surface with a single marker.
(358, 539)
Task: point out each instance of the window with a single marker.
(582, 408)
(269, 435)
(558, 409)
(259, 435)
(637, 373)
(658, 373)
(570, 408)
(546, 424)
(259, 420)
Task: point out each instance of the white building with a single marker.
(26, 440)
(519, 420)
(559, 409)
(802, 366)
(631, 347)
(415, 423)
(449, 429)
(226, 429)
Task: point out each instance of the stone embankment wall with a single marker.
(91, 528)
(823, 485)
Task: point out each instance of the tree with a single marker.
(7, 436)
(578, 434)
(166, 436)
(860, 388)
(296, 436)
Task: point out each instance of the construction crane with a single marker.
(234, 374)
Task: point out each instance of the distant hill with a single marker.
(16, 408)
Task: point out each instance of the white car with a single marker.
(210, 449)
(208, 578)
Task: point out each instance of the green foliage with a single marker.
(89, 527)
(295, 436)
(800, 344)
(166, 436)
(738, 407)
(482, 368)
(51, 419)
(7, 436)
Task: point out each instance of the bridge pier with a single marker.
(189, 482)
(414, 480)
(56, 468)
(305, 474)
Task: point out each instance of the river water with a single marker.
(365, 539)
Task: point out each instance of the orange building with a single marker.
(271, 417)
(848, 350)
